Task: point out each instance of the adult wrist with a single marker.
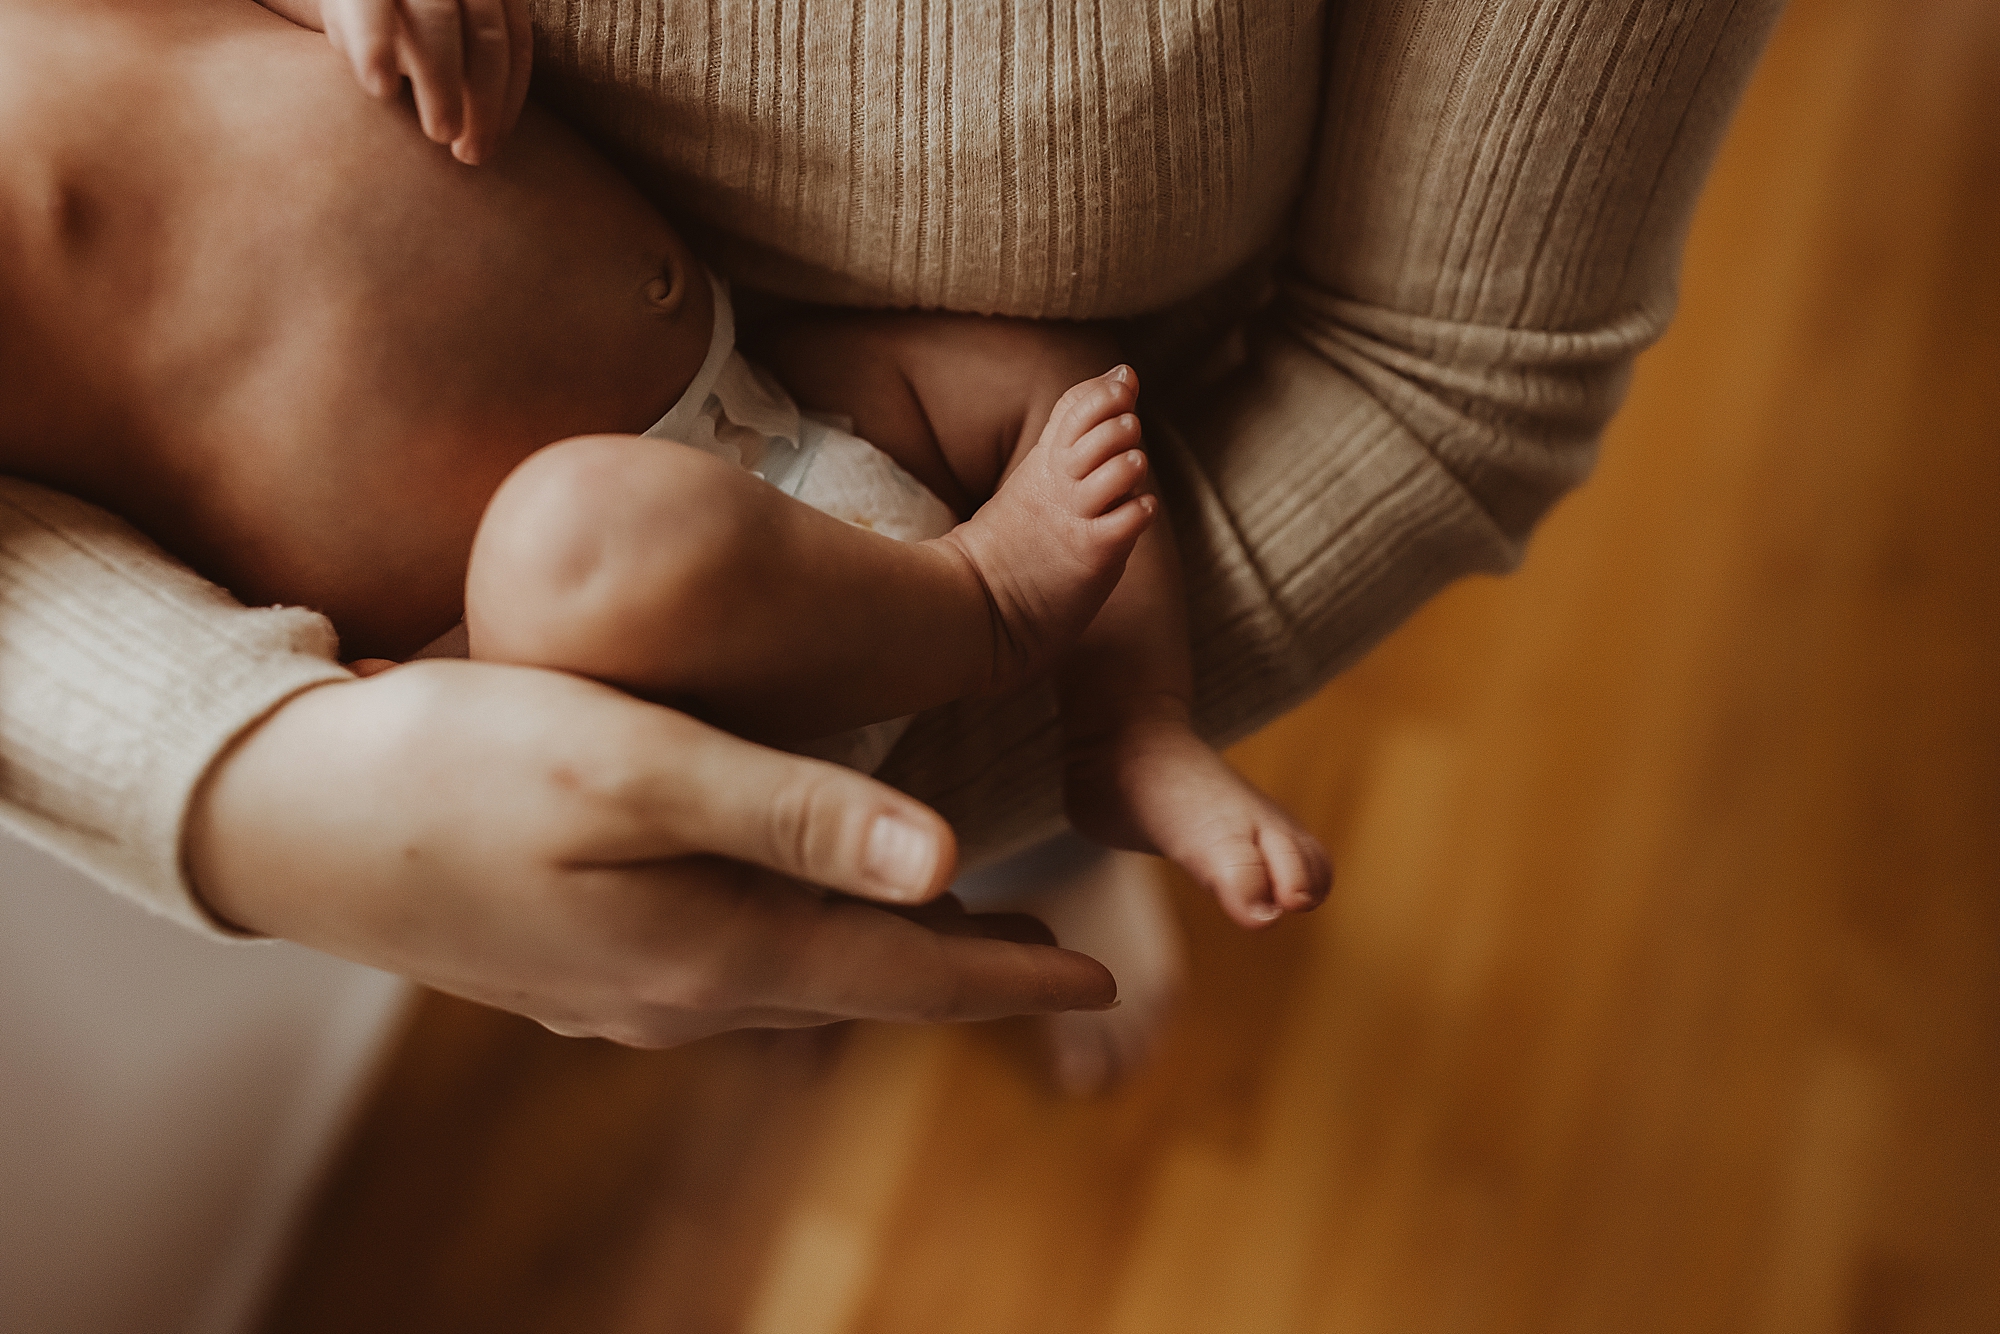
(213, 827)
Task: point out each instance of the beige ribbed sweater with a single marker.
(1411, 249)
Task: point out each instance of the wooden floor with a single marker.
(1661, 990)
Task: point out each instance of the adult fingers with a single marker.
(365, 31)
(673, 1028)
(682, 787)
(702, 946)
(948, 917)
(855, 959)
(486, 34)
(431, 51)
(733, 941)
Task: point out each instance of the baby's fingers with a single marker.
(431, 51)
(492, 30)
(365, 31)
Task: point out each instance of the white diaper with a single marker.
(738, 413)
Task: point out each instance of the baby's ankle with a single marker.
(1012, 653)
(1097, 719)
(1051, 544)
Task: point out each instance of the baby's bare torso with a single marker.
(256, 313)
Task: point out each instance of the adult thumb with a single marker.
(800, 817)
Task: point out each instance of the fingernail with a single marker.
(901, 857)
(1121, 373)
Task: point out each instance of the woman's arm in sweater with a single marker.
(1490, 235)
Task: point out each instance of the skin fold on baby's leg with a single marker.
(679, 577)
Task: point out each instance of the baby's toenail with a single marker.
(1121, 373)
(1266, 912)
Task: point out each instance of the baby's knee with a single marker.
(593, 541)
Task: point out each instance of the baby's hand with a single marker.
(467, 62)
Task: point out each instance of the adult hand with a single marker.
(467, 61)
(550, 846)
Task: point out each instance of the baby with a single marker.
(349, 404)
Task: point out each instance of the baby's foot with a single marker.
(1114, 907)
(1116, 912)
(1156, 786)
(1052, 542)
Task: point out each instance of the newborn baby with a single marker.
(262, 317)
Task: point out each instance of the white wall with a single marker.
(166, 1102)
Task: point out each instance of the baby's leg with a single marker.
(957, 401)
(672, 574)
(1139, 777)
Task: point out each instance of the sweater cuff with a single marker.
(123, 676)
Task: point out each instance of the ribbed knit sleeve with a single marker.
(122, 677)
(1490, 234)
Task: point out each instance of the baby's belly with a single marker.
(396, 285)
(333, 341)
(427, 351)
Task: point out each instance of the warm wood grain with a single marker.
(1661, 991)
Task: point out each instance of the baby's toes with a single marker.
(1101, 444)
(1111, 536)
(1301, 872)
(1237, 874)
(1083, 407)
(1110, 482)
